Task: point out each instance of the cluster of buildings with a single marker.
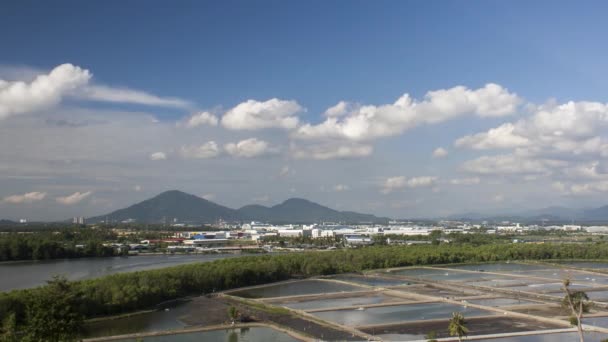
(254, 234)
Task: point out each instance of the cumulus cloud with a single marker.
(562, 142)
(572, 127)
(209, 149)
(341, 187)
(440, 152)
(400, 182)
(44, 91)
(48, 90)
(339, 109)
(248, 148)
(29, 197)
(371, 122)
(202, 118)
(158, 156)
(331, 151)
(73, 198)
(253, 115)
(500, 137)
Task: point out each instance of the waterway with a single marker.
(26, 274)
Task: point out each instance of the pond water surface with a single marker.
(26, 274)
(253, 334)
(398, 313)
(296, 288)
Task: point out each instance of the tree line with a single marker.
(54, 245)
(121, 293)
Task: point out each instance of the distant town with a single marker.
(225, 236)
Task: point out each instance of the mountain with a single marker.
(7, 222)
(553, 212)
(298, 210)
(192, 209)
(597, 214)
(169, 205)
(256, 212)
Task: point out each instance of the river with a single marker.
(26, 274)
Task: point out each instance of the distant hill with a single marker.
(192, 209)
(597, 214)
(298, 210)
(549, 214)
(7, 222)
(169, 205)
(553, 213)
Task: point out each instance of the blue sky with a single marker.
(176, 60)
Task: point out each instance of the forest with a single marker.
(65, 243)
(127, 292)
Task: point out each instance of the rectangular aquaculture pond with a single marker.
(398, 313)
(498, 302)
(323, 303)
(253, 334)
(498, 267)
(296, 288)
(371, 280)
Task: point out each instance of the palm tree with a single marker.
(457, 326)
(578, 303)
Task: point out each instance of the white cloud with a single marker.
(421, 181)
(248, 148)
(46, 90)
(440, 152)
(581, 189)
(511, 164)
(498, 198)
(202, 118)
(252, 115)
(400, 182)
(570, 128)
(331, 151)
(563, 143)
(158, 156)
(465, 181)
(29, 197)
(209, 149)
(500, 137)
(138, 188)
(73, 198)
(339, 109)
(371, 122)
(341, 187)
(125, 95)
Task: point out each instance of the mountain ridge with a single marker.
(189, 208)
(552, 213)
